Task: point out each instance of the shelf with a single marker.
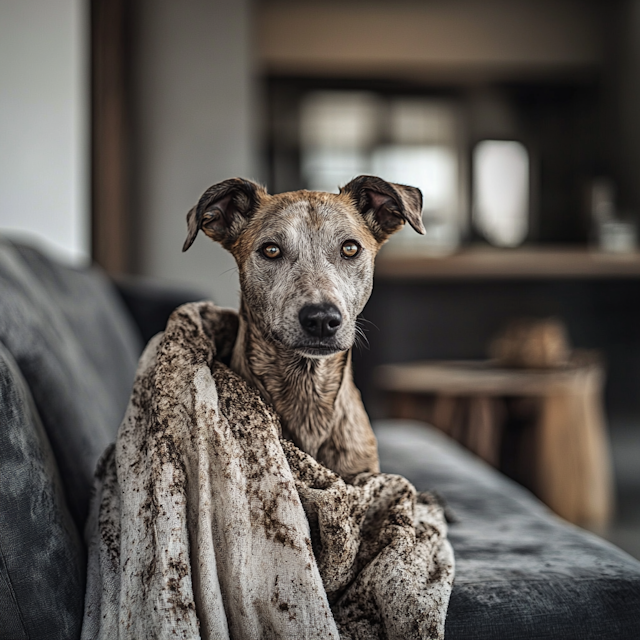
(475, 263)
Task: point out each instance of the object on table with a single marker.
(531, 343)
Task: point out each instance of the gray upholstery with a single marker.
(77, 350)
(521, 572)
(42, 568)
(68, 352)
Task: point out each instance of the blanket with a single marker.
(206, 524)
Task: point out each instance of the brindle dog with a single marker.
(305, 261)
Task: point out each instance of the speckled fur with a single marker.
(318, 404)
(206, 524)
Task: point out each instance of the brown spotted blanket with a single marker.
(206, 524)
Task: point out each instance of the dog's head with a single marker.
(305, 258)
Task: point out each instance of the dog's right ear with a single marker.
(385, 206)
(223, 210)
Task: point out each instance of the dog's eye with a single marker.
(271, 251)
(350, 249)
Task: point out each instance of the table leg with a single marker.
(484, 430)
(573, 464)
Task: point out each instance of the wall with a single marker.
(192, 115)
(44, 106)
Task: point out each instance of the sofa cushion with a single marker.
(77, 350)
(521, 572)
(150, 301)
(41, 557)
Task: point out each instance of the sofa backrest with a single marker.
(68, 353)
(77, 349)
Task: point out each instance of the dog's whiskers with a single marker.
(361, 340)
(363, 319)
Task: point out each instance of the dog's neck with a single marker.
(303, 391)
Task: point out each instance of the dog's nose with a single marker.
(320, 320)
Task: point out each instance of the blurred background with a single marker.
(519, 120)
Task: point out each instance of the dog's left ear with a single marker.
(386, 206)
(223, 210)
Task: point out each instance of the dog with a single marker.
(305, 261)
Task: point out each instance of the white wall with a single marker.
(44, 103)
(193, 127)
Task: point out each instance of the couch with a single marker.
(69, 342)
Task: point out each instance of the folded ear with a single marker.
(223, 210)
(386, 206)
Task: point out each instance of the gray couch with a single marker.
(69, 341)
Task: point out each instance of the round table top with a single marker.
(484, 377)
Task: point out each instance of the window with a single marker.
(415, 141)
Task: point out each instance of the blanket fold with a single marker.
(206, 524)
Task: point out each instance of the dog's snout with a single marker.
(320, 320)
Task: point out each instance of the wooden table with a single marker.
(569, 455)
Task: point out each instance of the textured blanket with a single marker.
(206, 524)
